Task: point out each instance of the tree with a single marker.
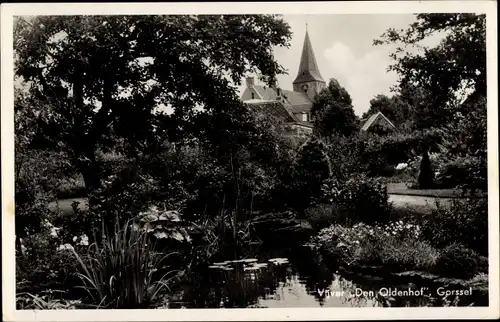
(310, 170)
(465, 140)
(457, 64)
(94, 81)
(332, 111)
(394, 108)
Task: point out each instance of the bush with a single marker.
(396, 246)
(458, 261)
(363, 199)
(71, 188)
(462, 170)
(120, 271)
(310, 170)
(322, 215)
(409, 254)
(41, 266)
(426, 175)
(464, 222)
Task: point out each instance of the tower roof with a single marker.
(308, 68)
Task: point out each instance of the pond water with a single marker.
(294, 277)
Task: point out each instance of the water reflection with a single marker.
(304, 280)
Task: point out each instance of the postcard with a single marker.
(249, 161)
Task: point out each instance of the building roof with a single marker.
(274, 108)
(299, 102)
(308, 68)
(375, 118)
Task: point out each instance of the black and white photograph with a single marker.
(241, 160)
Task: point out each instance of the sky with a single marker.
(343, 45)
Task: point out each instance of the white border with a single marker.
(368, 7)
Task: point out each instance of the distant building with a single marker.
(294, 106)
(377, 123)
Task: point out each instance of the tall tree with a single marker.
(332, 111)
(96, 80)
(457, 63)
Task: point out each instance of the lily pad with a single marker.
(259, 265)
(278, 261)
(221, 263)
(249, 260)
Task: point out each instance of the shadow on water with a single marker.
(289, 277)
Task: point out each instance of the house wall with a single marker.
(381, 122)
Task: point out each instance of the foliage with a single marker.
(345, 155)
(464, 222)
(363, 199)
(426, 174)
(453, 173)
(163, 224)
(332, 111)
(447, 68)
(123, 271)
(72, 187)
(310, 170)
(396, 245)
(380, 154)
(394, 108)
(123, 68)
(41, 266)
(321, 215)
(458, 261)
(465, 140)
(28, 301)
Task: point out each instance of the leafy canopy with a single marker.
(456, 66)
(332, 111)
(94, 81)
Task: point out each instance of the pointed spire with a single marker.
(308, 68)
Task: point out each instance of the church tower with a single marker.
(308, 79)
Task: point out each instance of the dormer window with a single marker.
(304, 117)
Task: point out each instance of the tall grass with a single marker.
(121, 271)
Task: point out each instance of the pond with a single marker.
(295, 277)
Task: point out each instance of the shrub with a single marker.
(407, 254)
(397, 245)
(363, 199)
(71, 188)
(464, 222)
(41, 267)
(462, 170)
(426, 175)
(120, 271)
(345, 155)
(458, 261)
(322, 215)
(310, 170)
